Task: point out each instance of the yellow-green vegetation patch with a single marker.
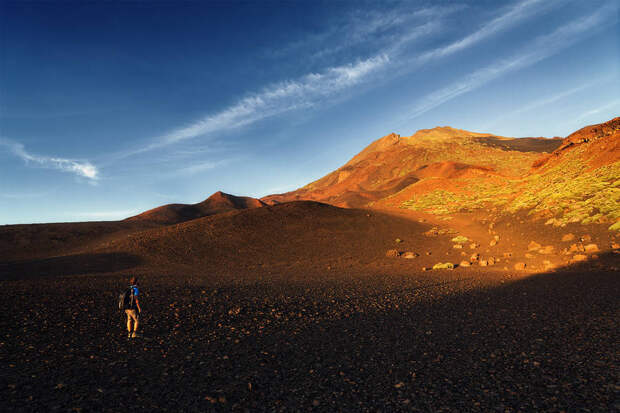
(474, 196)
(460, 239)
(572, 194)
(568, 193)
(615, 227)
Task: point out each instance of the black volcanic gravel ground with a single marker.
(439, 341)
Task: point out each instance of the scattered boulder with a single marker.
(577, 248)
(474, 257)
(568, 237)
(392, 254)
(464, 264)
(615, 246)
(410, 255)
(579, 258)
(483, 263)
(586, 238)
(474, 245)
(533, 246)
(398, 240)
(457, 246)
(591, 248)
(548, 249)
(491, 260)
(443, 266)
(493, 243)
(520, 266)
(496, 237)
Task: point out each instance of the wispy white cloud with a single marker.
(541, 48)
(545, 102)
(368, 28)
(279, 98)
(614, 104)
(80, 168)
(334, 82)
(513, 16)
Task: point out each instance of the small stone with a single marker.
(483, 263)
(410, 255)
(528, 255)
(493, 243)
(520, 266)
(464, 264)
(474, 245)
(591, 248)
(398, 240)
(474, 257)
(548, 249)
(507, 254)
(586, 238)
(579, 258)
(496, 237)
(443, 266)
(568, 237)
(615, 246)
(491, 261)
(533, 246)
(457, 246)
(392, 253)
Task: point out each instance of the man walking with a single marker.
(132, 308)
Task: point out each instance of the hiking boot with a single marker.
(135, 335)
(128, 335)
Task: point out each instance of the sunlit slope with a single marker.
(578, 182)
(394, 163)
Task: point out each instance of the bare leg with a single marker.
(128, 321)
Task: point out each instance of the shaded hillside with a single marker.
(43, 240)
(394, 163)
(217, 203)
(285, 234)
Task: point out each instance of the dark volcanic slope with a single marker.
(216, 204)
(43, 240)
(296, 233)
(444, 341)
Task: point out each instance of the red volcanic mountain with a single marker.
(217, 203)
(445, 171)
(393, 163)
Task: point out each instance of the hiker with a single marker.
(132, 308)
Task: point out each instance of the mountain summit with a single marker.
(392, 163)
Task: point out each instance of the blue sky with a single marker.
(108, 109)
